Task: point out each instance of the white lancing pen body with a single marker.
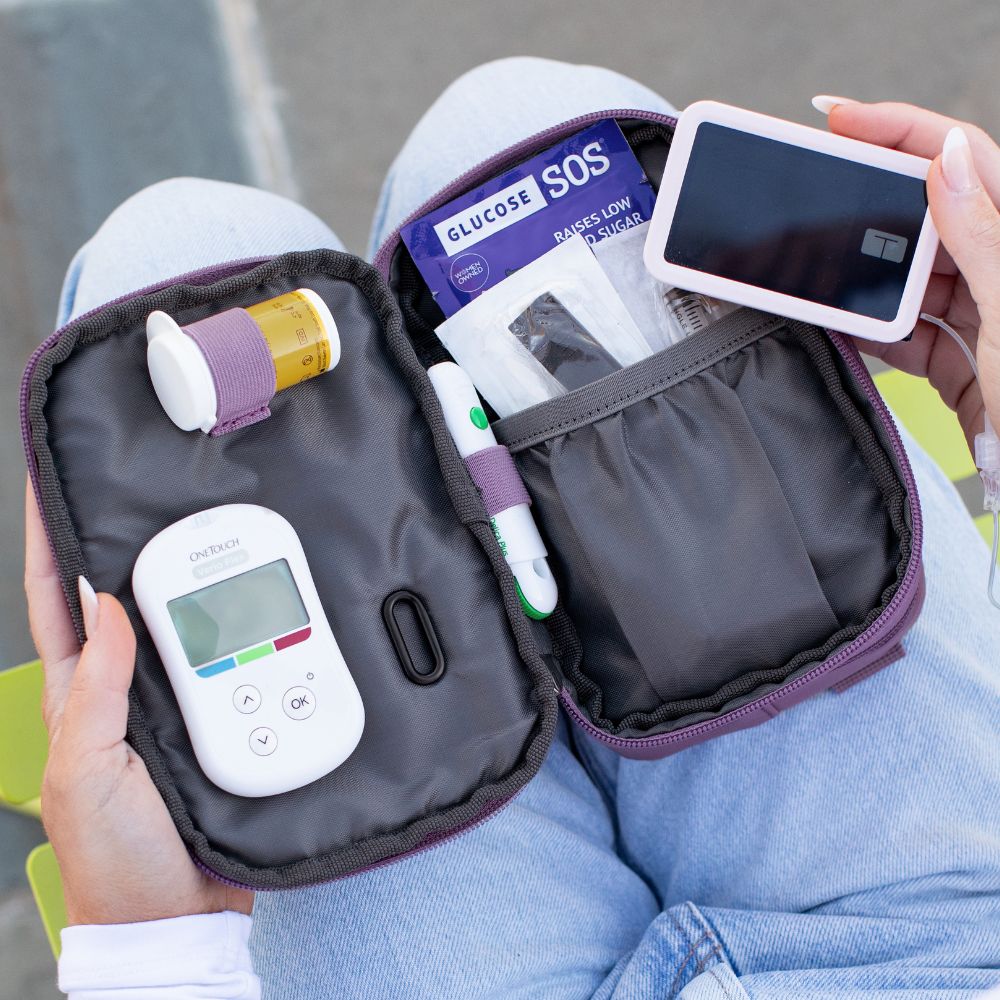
(515, 528)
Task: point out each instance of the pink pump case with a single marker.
(821, 247)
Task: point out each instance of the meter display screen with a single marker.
(239, 612)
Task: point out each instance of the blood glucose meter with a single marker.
(265, 693)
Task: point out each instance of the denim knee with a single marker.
(496, 75)
(191, 192)
(183, 224)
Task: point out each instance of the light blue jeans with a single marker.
(850, 847)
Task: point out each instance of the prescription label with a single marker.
(296, 336)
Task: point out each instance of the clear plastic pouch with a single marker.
(666, 315)
(554, 325)
(561, 344)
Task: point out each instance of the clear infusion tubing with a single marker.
(986, 444)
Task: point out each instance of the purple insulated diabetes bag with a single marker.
(732, 521)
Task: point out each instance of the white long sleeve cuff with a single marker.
(199, 957)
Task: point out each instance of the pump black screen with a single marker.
(797, 221)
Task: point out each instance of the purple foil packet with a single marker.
(589, 183)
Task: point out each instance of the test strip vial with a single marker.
(220, 373)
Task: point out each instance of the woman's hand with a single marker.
(963, 191)
(119, 853)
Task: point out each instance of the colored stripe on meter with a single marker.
(292, 638)
(217, 668)
(265, 649)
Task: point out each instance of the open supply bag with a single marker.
(732, 522)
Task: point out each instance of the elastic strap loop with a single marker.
(497, 479)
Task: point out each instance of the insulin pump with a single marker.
(267, 698)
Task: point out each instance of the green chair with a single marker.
(23, 743)
(23, 749)
(46, 887)
(919, 408)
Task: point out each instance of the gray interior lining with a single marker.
(703, 565)
(375, 516)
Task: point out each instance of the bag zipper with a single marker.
(700, 731)
(510, 156)
(497, 806)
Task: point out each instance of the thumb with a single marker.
(969, 226)
(96, 710)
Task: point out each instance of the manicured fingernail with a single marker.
(88, 604)
(825, 103)
(956, 162)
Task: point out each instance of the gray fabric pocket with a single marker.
(715, 514)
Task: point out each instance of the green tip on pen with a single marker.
(527, 608)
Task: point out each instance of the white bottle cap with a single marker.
(180, 375)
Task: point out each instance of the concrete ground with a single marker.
(312, 98)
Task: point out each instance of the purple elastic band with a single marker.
(241, 365)
(495, 475)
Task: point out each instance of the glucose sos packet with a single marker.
(589, 184)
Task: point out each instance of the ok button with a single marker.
(298, 703)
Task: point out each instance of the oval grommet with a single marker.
(392, 602)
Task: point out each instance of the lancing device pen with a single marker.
(514, 528)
